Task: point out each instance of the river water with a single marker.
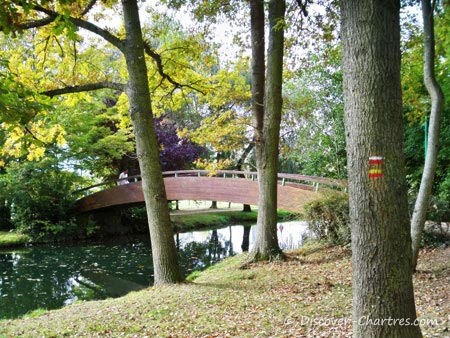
(50, 277)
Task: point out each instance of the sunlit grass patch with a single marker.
(8, 239)
(35, 313)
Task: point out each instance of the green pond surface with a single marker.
(50, 277)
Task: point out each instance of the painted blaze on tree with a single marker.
(381, 244)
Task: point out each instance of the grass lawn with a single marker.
(9, 239)
(279, 299)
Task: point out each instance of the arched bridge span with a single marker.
(294, 191)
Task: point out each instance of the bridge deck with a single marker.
(291, 196)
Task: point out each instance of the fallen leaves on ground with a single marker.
(309, 295)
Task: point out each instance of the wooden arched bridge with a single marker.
(294, 190)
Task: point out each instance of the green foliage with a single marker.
(16, 102)
(208, 11)
(95, 128)
(416, 102)
(39, 197)
(328, 218)
(414, 152)
(313, 140)
(96, 137)
(24, 117)
(439, 210)
(225, 112)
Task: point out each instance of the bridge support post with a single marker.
(316, 189)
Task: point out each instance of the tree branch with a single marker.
(28, 131)
(303, 7)
(244, 155)
(157, 58)
(88, 7)
(36, 23)
(84, 88)
(112, 39)
(437, 107)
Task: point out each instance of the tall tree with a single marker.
(267, 104)
(165, 263)
(166, 268)
(437, 106)
(381, 242)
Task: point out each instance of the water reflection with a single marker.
(50, 277)
(53, 276)
(236, 239)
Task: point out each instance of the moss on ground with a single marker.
(263, 300)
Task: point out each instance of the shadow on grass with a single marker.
(317, 254)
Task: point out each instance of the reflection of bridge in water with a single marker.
(294, 191)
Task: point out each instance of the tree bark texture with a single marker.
(257, 23)
(381, 242)
(165, 262)
(437, 106)
(268, 129)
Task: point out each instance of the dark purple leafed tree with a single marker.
(175, 153)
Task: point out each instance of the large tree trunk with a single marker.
(165, 262)
(437, 105)
(381, 242)
(268, 124)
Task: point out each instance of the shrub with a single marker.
(328, 218)
(436, 231)
(40, 202)
(5, 210)
(434, 239)
(439, 210)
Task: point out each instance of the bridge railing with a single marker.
(108, 183)
(306, 182)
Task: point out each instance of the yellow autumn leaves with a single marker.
(31, 140)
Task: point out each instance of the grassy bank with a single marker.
(265, 300)
(192, 221)
(11, 239)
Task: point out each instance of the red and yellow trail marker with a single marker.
(375, 166)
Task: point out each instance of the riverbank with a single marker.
(12, 239)
(182, 220)
(309, 295)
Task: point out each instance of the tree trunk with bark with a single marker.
(267, 113)
(383, 299)
(437, 106)
(165, 261)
